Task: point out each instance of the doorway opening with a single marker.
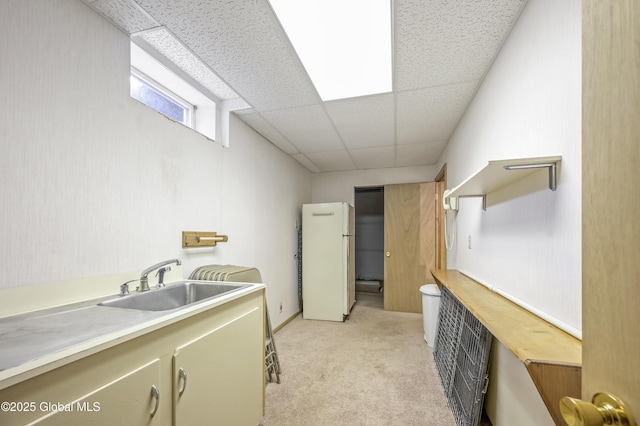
(369, 239)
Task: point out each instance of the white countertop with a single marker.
(36, 342)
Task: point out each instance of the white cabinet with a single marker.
(220, 387)
(137, 382)
(131, 399)
(89, 391)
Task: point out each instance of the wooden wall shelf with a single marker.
(552, 357)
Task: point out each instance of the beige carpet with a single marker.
(373, 369)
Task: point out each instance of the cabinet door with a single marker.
(218, 377)
(126, 400)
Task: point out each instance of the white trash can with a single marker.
(430, 307)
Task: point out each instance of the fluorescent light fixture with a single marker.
(345, 45)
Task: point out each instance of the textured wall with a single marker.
(339, 186)
(528, 242)
(95, 183)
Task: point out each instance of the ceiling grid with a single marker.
(441, 51)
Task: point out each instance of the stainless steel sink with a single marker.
(173, 296)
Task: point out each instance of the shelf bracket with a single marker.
(551, 166)
(484, 199)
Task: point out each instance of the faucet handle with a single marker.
(124, 288)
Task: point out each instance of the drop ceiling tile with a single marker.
(308, 128)
(441, 41)
(260, 125)
(126, 14)
(374, 158)
(430, 115)
(332, 161)
(419, 154)
(442, 49)
(302, 159)
(364, 121)
(243, 42)
(168, 46)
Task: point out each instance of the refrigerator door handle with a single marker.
(322, 213)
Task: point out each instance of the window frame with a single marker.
(190, 108)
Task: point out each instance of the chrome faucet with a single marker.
(144, 281)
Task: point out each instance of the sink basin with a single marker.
(173, 296)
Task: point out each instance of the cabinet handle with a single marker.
(155, 393)
(182, 374)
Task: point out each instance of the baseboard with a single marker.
(368, 286)
(287, 321)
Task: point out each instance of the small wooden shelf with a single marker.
(552, 357)
(494, 176)
(202, 239)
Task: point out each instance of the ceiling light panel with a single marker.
(345, 45)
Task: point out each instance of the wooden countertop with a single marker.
(552, 357)
(526, 335)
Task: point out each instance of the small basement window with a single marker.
(153, 95)
(155, 83)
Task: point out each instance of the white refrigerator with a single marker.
(328, 264)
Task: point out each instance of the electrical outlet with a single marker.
(280, 307)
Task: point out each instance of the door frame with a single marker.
(441, 186)
(610, 257)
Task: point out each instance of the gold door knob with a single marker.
(604, 409)
(388, 254)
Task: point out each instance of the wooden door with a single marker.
(611, 200)
(409, 244)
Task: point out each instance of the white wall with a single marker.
(528, 242)
(512, 398)
(338, 186)
(95, 183)
(529, 105)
